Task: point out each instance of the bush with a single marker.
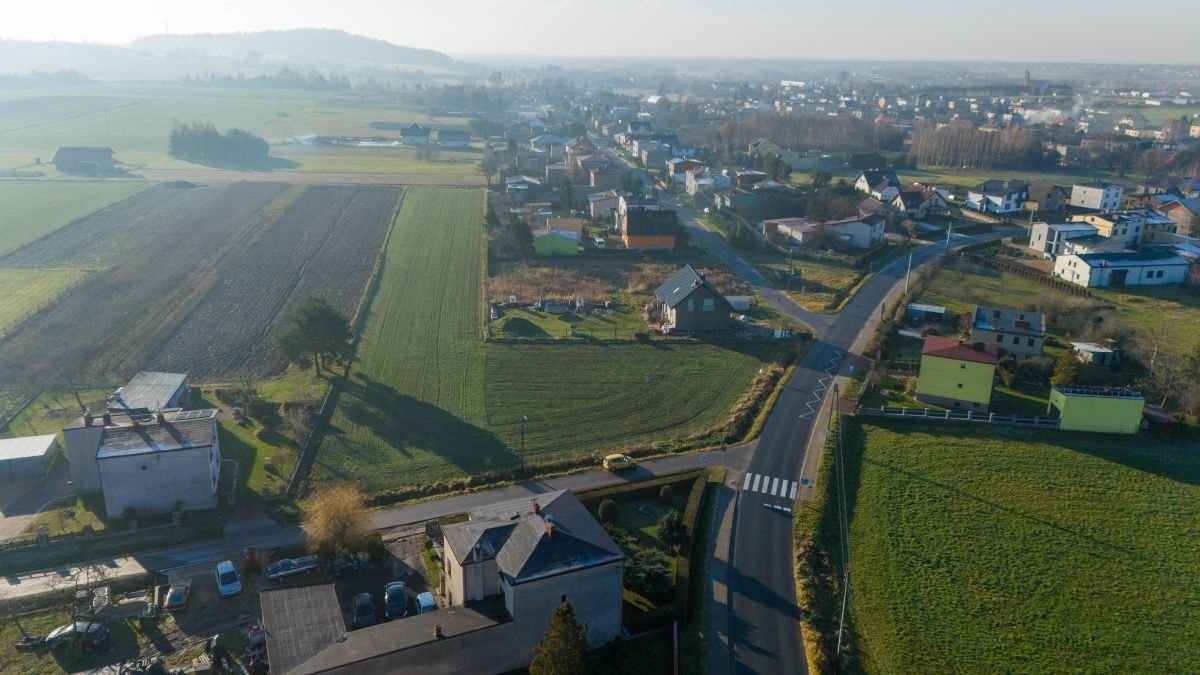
(671, 530)
(607, 511)
(646, 575)
(666, 495)
(930, 330)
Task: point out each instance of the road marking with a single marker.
(757, 478)
(774, 486)
(794, 486)
(746, 483)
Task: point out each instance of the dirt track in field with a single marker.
(331, 178)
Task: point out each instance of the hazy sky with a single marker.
(1166, 31)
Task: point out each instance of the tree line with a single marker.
(286, 78)
(965, 146)
(798, 131)
(202, 141)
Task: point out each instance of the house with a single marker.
(707, 181)
(27, 457)
(648, 228)
(1094, 354)
(998, 196)
(919, 202)
(1092, 243)
(797, 231)
(882, 184)
(748, 178)
(506, 569)
(414, 134)
(678, 168)
(690, 303)
(585, 164)
(736, 199)
(1096, 409)
(522, 188)
(601, 205)
(150, 391)
(82, 160)
(1096, 196)
(606, 179)
(1015, 332)
(454, 138)
(1132, 226)
(1185, 213)
(859, 232)
(548, 143)
(1188, 188)
(1113, 270)
(655, 155)
(764, 147)
(1054, 200)
(957, 374)
(560, 236)
(152, 463)
(1050, 238)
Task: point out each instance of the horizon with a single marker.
(773, 31)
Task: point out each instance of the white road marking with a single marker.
(746, 483)
(757, 478)
(774, 486)
(794, 486)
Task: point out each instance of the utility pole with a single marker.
(908, 273)
(524, 419)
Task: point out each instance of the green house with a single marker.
(560, 236)
(1100, 409)
(957, 374)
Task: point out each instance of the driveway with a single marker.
(21, 499)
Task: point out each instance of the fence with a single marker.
(1022, 271)
(309, 439)
(925, 414)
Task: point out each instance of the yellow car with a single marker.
(618, 462)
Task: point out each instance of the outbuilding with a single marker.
(27, 457)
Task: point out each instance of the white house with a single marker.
(153, 463)
(861, 232)
(414, 134)
(1049, 238)
(998, 196)
(1097, 196)
(1104, 270)
(708, 181)
(797, 231)
(882, 184)
(601, 205)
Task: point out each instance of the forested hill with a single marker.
(307, 44)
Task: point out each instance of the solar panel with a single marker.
(193, 415)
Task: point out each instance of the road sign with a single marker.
(804, 481)
(852, 369)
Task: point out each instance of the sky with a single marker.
(1109, 31)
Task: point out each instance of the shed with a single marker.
(918, 313)
(1097, 355)
(27, 457)
(151, 391)
(70, 159)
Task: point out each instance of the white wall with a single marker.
(594, 593)
(155, 481)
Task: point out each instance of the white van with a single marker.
(228, 582)
(425, 603)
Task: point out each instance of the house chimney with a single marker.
(160, 418)
(107, 419)
(550, 529)
(87, 419)
(537, 508)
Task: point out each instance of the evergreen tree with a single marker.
(564, 649)
(671, 530)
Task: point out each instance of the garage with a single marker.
(27, 457)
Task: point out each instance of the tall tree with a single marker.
(488, 166)
(315, 331)
(335, 518)
(564, 649)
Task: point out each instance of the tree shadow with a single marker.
(267, 164)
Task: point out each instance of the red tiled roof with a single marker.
(960, 350)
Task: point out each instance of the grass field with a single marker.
(28, 290)
(33, 210)
(428, 400)
(825, 279)
(1012, 551)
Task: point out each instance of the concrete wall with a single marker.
(81, 456)
(155, 481)
(1103, 414)
(595, 595)
(950, 380)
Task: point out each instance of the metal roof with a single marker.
(194, 430)
(918, 307)
(149, 390)
(679, 286)
(27, 446)
(299, 623)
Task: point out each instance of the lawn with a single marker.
(428, 400)
(518, 322)
(29, 290)
(826, 277)
(51, 411)
(1010, 551)
(33, 209)
(71, 514)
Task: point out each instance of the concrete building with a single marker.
(957, 374)
(150, 391)
(1015, 332)
(454, 138)
(1049, 238)
(602, 206)
(998, 196)
(1131, 226)
(860, 232)
(689, 303)
(1096, 196)
(1096, 409)
(27, 457)
(1105, 270)
(149, 462)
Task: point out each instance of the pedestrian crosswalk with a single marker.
(771, 486)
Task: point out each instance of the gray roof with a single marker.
(528, 545)
(299, 623)
(1009, 320)
(681, 285)
(995, 187)
(1131, 259)
(149, 390)
(27, 446)
(66, 153)
(179, 431)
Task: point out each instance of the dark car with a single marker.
(364, 611)
(92, 636)
(395, 600)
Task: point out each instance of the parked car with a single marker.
(289, 566)
(228, 582)
(177, 595)
(616, 462)
(426, 603)
(395, 600)
(92, 636)
(363, 610)
(599, 241)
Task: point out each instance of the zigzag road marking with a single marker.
(814, 404)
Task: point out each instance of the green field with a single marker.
(33, 210)
(1008, 551)
(428, 400)
(825, 279)
(28, 290)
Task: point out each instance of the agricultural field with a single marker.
(33, 209)
(28, 290)
(178, 266)
(1005, 550)
(429, 400)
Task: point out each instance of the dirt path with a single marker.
(332, 178)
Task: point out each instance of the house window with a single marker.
(1030, 342)
(999, 338)
(709, 305)
(691, 305)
